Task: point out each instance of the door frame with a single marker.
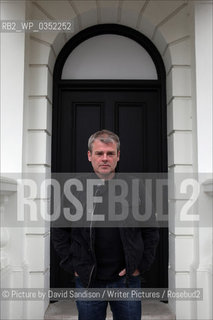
(137, 85)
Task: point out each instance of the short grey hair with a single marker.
(104, 136)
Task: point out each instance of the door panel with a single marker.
(131, 121)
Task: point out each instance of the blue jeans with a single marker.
(121, 310)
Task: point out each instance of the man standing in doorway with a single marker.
(106, 257)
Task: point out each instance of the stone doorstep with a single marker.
(66, 310)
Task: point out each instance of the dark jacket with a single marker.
(75, 246)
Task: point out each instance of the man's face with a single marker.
(104, 158)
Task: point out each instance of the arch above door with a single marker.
(107, 29)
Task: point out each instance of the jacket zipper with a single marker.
(126, 259)
(90, 276)
(91, 245)
(91, 248)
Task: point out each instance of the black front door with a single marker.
(133, 110)
(134, 113)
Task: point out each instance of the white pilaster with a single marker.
(203, 60)
(203, 57)
(12, 89)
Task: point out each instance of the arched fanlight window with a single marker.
(109, 56)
